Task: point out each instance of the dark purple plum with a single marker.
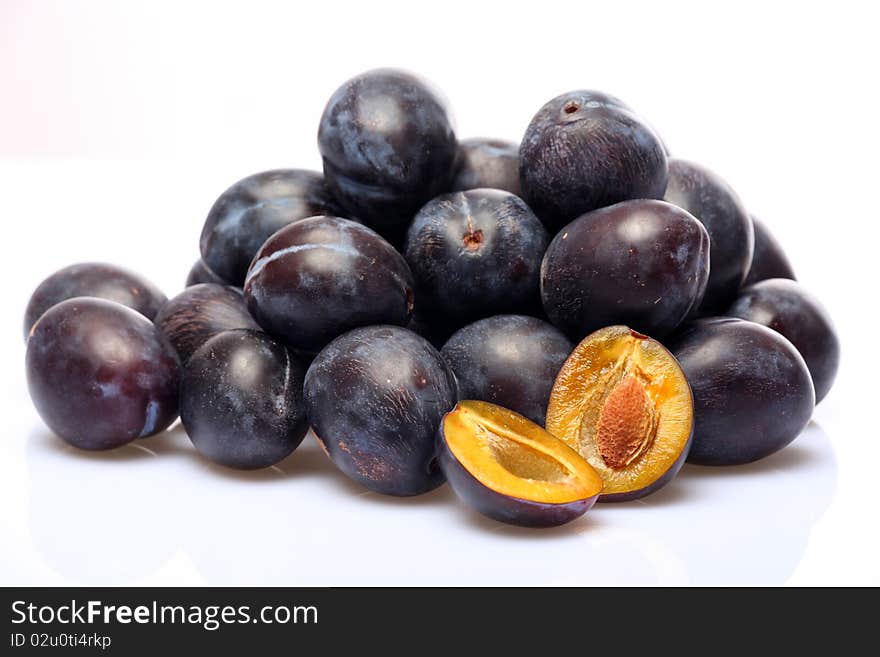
(753, 393)
(241, 400)
(101, 374)
(508, 360)
(642, 263)
(375, 397)
(585, 150)
(201, 273)
(388, 147)
(487, 163)
(199, 313)
(474, 254)
(246, 214)
(323, 276)
(94, 279)
(711, 200)
(786, 307)
(768, 258)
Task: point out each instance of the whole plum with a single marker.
(487, 163)
(768, 258)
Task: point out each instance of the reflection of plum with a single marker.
(107, 517)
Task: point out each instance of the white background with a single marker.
(121, 122)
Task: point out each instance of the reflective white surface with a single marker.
(113, 149)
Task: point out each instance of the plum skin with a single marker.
(506, 508)
(508, 360)
(94, 279)
(731, 233)
(585, 150)
(241, 400)
(387, 145)
(322, 276)
(246, 214)
(752, 390)
(786, 307)
(375, 398)
(200, 312)
(485, 163)
(768, 258)
(100, 374)
(643, 263)
(474, 254)
(201, 273)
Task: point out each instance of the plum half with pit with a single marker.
(388, 146)
(246, 214)
(199, 313)
(375, 397)
(100, 374)
(585, 150)
(753, 393)
(786, 307)
(474, 254)
(322, 276)
(511, 470)
(623, 403)
(768, 258)
(642, 262)
(487, 163)
(508, 360)
(241, 400)
(94, 279)
(714, 203)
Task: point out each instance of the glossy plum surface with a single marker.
(585, 150)
(476, 253)
(375, 397)
(241, 400)
(508, 360)
(786, 307)
(201, 273)
(321, 277)
(94, 279)
(752, 390)
(711, 200)
(100, 374)
(642, 263)
(246, 214)
(768, 258)
(487, 163)
(388, 146)
(199, 313)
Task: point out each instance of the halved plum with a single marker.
(510, 469)
(623, 403)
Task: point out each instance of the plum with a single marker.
(644, 263)
(323, 276)
(508, 360)
(752, 390)
(585, 150)
(731, 234)
(241, 400)
(199, 313)
(487, 163)
(388, 146)
(623, 403)
(375, 397)
(768, 258)
(474, 254)
(201, 273)
(94, 279)
(100, 374)
(511, 470)
(786, 307)
(246, 214)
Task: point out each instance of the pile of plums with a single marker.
(541, 325)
